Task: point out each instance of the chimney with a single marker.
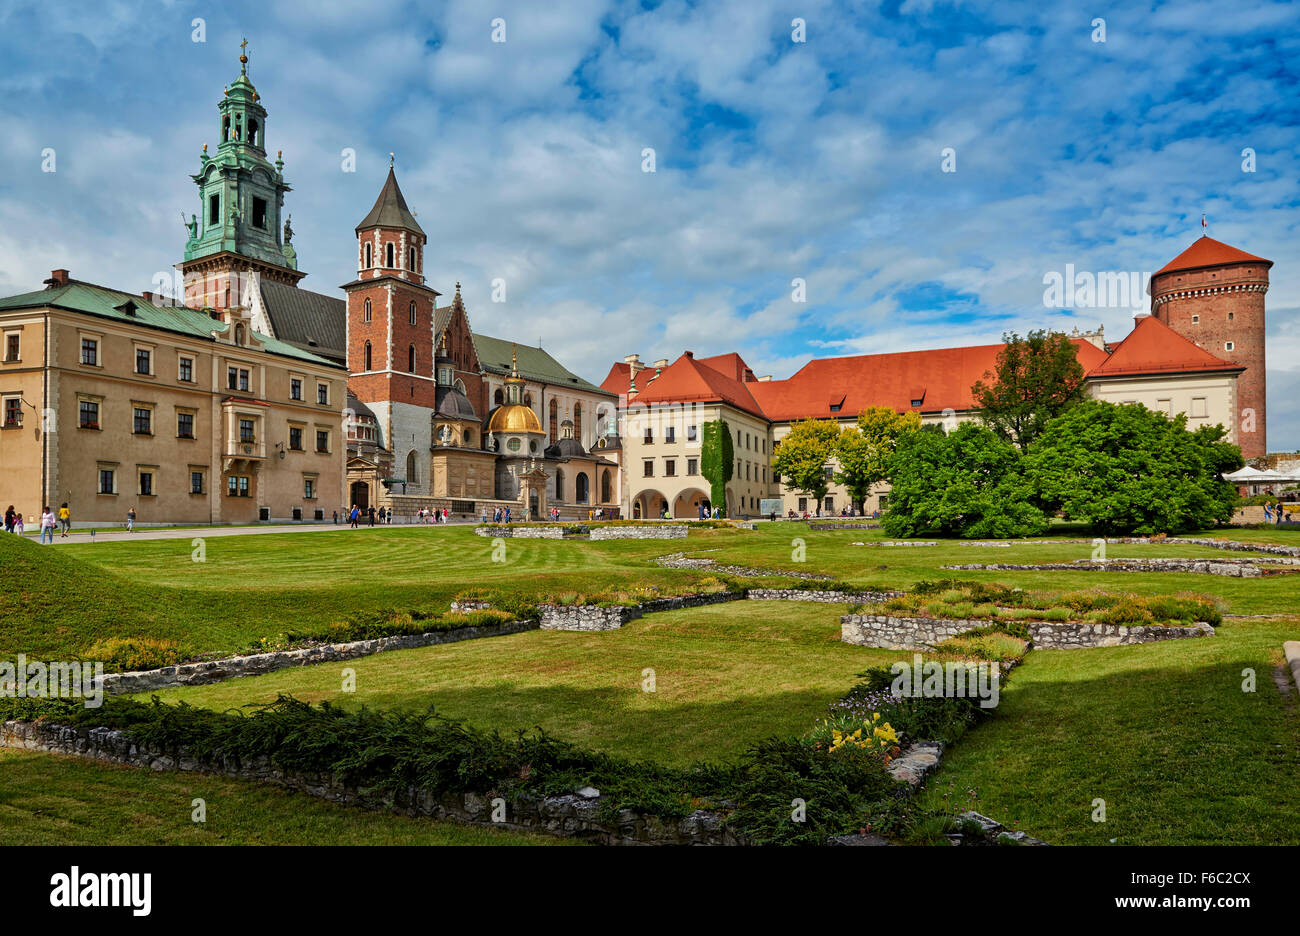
(149, 298)
(57, 278)
(661, 364)
(689, 354)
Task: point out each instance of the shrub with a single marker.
(126, 654)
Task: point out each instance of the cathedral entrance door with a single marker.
(361, 494)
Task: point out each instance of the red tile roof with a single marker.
(687, 380)
(941, 379)
(617, 380)
(1155, 348)
(1206, 251)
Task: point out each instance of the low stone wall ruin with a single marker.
(919, 633)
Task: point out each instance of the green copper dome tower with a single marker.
(238, 228)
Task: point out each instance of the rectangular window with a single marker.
(295, 388)
(1199, 410)
(90, 351)
(692, 466)
(146, 483)
(259, 213)
(143, 420)
(670, 434)
(830, 504)
(322, 440)
(295, 438)
(143, 361)
(243, 380)
(196, 482)
(13, 345)
(185, 370)
(803, 504)
(323, 394)
(107, 480)
(13, 412)
(649, 437)
(246, 434)
(309, 488)
(88, 414)
(692, 433)
(670, 467)
(184, 425)
(214, 209)
(237, 378)
(649, 469)
(237, 486)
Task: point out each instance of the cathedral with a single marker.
(438, 416)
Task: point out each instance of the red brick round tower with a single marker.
(1213, 295)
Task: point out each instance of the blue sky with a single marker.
(775, 160)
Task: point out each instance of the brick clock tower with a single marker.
(391, 333)
(238, 230)
(1213, 295)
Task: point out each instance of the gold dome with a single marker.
(514, 418)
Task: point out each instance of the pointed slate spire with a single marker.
(390, 209)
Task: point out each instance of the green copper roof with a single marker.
(534, 364)
(89, 299)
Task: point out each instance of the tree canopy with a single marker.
(1126, 469)
(803, 454)
(966, 483)
(863, 451)
(1036, 378)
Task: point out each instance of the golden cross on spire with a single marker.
(243, 46)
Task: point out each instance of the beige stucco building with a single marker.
(113, 401)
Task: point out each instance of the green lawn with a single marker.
(49, 799)
(725, 676)
(1161, 732)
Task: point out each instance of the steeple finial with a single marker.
(514, 360)
(243, 57)
(391, 159)
(1204, 232)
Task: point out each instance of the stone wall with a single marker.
(573, 815)
(595, 618)
(211, 671)
(666, 531)
(822, 594)
(522, 532)
(903, 633)
(1235, 568)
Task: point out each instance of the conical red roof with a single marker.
(1206, 252)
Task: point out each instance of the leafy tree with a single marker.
(801, 459)
(1037, 378)
(717, 461)
(1127, 469)
(863, 452)
(967, 483)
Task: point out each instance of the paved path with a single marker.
(118, 534)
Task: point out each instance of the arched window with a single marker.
(499, 397)
(582, 484)
(388, 255)
(365, 314)
(577, 421)
(369, 255)
(252, 132)
(410, 358)
(411, 467)
(469, 436)
(559, 484)
(555, 419)
(605, 488)
(412, 311)
(411, 255)
(460, 385)
(365, 366)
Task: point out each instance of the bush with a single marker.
(127, 654)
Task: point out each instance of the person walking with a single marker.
(65, 520)
(353, 515)
(9, 519)
(47, 525)
(18, 523)
(130, 520)
(370, 514)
